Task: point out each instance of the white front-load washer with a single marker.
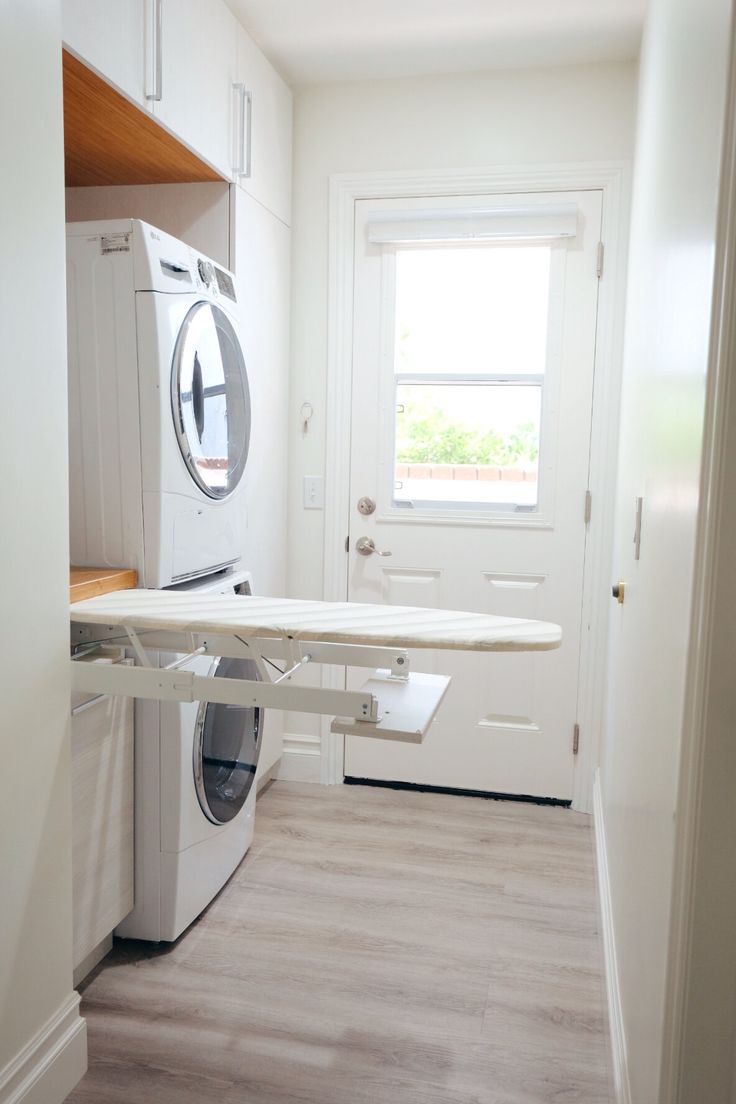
(195, 792)
(159, 405)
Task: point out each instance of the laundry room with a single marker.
(378, 414)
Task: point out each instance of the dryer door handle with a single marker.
(198, 397)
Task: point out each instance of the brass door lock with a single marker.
(617, 591)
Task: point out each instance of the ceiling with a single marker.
(314, 41)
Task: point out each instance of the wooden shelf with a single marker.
(110, 140)
(88, 582)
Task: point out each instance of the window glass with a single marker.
(470, 353)
(472, 309)
(470, 444)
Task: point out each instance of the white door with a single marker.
(474, 349)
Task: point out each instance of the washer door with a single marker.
(227, 742)
(210, 400)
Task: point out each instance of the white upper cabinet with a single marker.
(109, 36)
(192, 64)
(263, 125)
(192, 60)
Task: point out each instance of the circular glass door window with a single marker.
(227, 743)
(210, 400)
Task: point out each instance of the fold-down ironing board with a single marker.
(393, 704)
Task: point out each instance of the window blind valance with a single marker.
(473, 224)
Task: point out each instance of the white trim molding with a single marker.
(301, 758)
(51, 1064)
(613, 180)
(613, 992)
(701, 963)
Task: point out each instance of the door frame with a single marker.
(612, 179)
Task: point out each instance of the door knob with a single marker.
(617, 591)
(366, 547)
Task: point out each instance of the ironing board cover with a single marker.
(326, 622)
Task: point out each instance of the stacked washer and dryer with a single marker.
(159, 428)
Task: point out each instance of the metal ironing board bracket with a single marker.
(361, 708)
(282, 637)
(235, 646)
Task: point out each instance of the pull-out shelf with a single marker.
(406, 707)
(281, 636)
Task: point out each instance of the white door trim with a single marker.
(612, 179)
(703, 894)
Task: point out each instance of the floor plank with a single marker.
(375, 947)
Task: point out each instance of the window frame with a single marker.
(486, 514)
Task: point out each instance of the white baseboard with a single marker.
(615, 1010)
(268, 776)
(51, 1064)
(301, 758)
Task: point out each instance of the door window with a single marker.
(210, 400)
(472, 341)
(226, 748)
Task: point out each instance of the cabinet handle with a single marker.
(157, 24)
(242, 167)
(248, 113)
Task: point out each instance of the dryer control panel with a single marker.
(216, 279)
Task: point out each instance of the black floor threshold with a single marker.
(488, 795)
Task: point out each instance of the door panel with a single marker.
(198, 50)
(110, 37)
(480, 506)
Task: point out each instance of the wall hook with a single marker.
(306, 412)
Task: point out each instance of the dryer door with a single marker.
(227, 742)
(210, 400)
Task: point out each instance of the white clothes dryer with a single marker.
(159, 405)
(195, 792)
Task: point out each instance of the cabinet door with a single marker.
(194, 63)
(109, 37)
(261, 254)
(102, 818)
(266, 172)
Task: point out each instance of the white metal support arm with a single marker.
(394, 704)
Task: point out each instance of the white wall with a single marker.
(38, 1009)
(199, 214)
(577, 113)
(676, 177)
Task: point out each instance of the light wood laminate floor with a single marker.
(375, 947)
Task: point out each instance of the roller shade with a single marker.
(473, 224)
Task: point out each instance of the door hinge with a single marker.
(347, 543)
(575, 738)
(599, 261)
(588, 507)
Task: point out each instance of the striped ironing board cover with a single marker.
(326, 622)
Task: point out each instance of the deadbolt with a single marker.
(366, 505)
(617, 591)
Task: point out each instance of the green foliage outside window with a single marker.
(426, 435)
